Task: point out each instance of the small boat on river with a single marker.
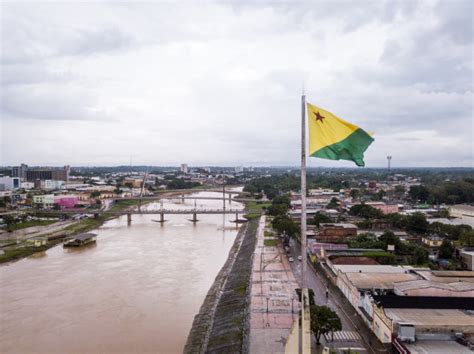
(81, 240)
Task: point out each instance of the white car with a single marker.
(290, 259)
(300, 258)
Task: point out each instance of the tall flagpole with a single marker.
(303, 191)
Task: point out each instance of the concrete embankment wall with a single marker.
(222, 324)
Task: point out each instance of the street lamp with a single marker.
(292, 302)
(268, 298)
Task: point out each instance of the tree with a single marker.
(420, 255)
(446, 250)
(319, 218)
(366, 240)
(355, 194)
(277, 209)
(9, 220)
(95, 194)
(333, 204)
(283, 224)
(56, 206)
(365, 211)
(467, 238)
(417, 223)
(419, 193)
(282, 199)
(389, 238)
(324, 320)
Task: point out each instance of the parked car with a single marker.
(290, 259)
(300, 258)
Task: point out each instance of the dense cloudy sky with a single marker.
(219, 83)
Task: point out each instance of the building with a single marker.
(27, 185)
(355, 281)
(48, 184)
(467, 257)
(20, 171)
(66, 201)
(406, 320)
(45, 200)
(386, 208)
(184, 168)
(9, 183)
(462, 210)
(47, 173)
(432, 241)
(134, 182)
(337, 233)
(422, 287)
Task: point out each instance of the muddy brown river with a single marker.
(135, 291)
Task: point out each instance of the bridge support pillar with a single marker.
(194, 220)
(162, 218)
(182, 198)
(230, 198)
(129, 219)
(139, 205)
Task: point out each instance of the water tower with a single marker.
(389, 159)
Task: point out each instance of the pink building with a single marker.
(66, 201)
(386, 208)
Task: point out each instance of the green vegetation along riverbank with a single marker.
(13, 251)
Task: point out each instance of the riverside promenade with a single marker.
(274, 304)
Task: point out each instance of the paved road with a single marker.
(352, 334)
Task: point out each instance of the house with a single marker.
(337, 233)
(37, 241)
(432, 241)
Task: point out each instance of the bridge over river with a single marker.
(161, 212)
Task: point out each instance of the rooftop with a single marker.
(431, 318)
(425, 302)
(464, 207)
(340, 225)
(423, 284)
(359, 268)
(378, 280)
(436, 347)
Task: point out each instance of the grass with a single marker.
(270, 243)
(267, 234)
(123, 204)
(30, 223)
(257, 205)
(24, 251)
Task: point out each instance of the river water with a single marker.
(136, 290)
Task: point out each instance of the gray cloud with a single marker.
(220, 83)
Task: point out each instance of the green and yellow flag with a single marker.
(332, 138)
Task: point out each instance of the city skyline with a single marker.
(220, 84)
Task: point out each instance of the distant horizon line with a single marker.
(242, 165)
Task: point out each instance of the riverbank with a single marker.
(222, 322)
(14, 250)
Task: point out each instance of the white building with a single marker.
(462, 210)
(184, 168)
(50, 184)
(27, 185)
(9, 183)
